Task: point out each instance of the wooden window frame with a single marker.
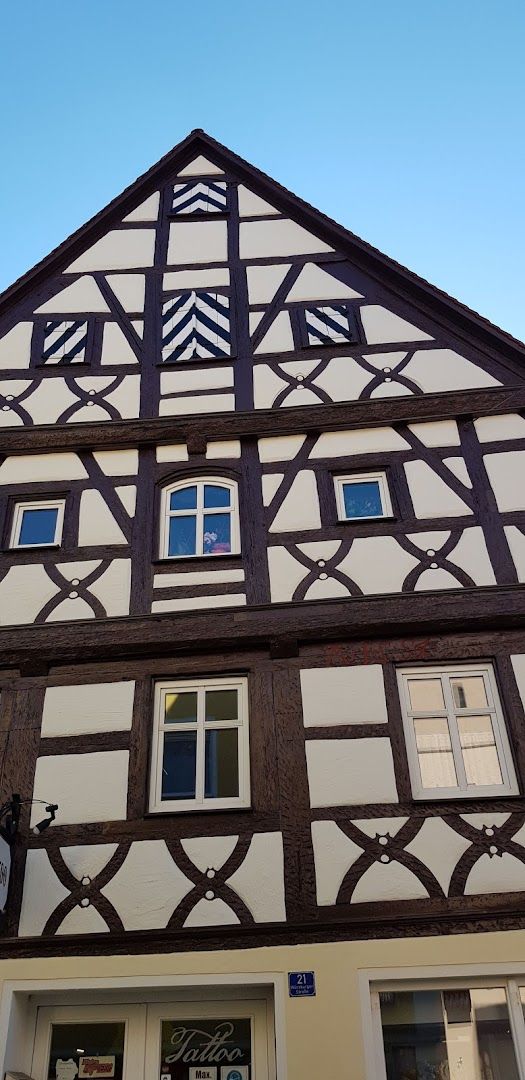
(200, 686)
(463, 790)
(36, 504)
(381, 478)
(166, 514)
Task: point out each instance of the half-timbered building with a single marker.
(262, 513)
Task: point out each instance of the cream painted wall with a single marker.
(304, 1025)
(88, 708)
(343, 695)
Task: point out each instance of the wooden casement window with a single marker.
(37, 523)
(199, 197)
(200, 754)
(196, 326)
(362, 495)
(200, 517)
(329, 324)
(455, 731)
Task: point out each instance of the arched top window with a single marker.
(200, 517)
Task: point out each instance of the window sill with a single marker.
(367, 520)
(198, 810)
(196, 560)
(198, 362)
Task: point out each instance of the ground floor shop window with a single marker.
(453, 1032)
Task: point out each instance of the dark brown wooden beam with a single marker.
(486, 608)
(263, 422)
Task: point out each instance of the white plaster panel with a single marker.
(378, 564)
(223, 448)
(251, 205)
(300, 508)
(72, 607)
(280, 448)
(437, 433)
(506, 472)
(516, 542)
(300, 396)
(279, 337)
(23, 593)
(430, 580)
(320, 549)
(41, 468)
(128, 497)
(115, 346)
(392, 389)
(443, 369)
(271, 484)
(43, 892)
(198, 577)
(457, 465)
(266, 386)
(120, 249)
(518, 663)
(148, 887)
(49, 400)
(259, 881)
(334, 854)
(8, 417)
(426, 540)
(15, 346)
(147, 210)
(82, 296)
(80, 569)
(173, 452)
(96, 522)
(380, 826)
(384, 359)
(314, 283)
(254, 318)
(212, 912)
(112, 589)
(126, 397)
(192, 603)
(263, 281)
(360, 441)
(285, 574)
(87, 787)
(381, 325)
(262, 239)
(439, 848)
(196, 279)
(386, 882)
(201, 166)
(326, 589)
(342, 379)
(298, 367)
(197, 242)
(493, 428)
(83, 920)
(470, 553)
(117, 462)
(172, 382)
(344, 772)
(87, 708)
(205, 403)
(487, 819)
(129, 289)
(343, 695)
(496, 874)
(431, 496)
(87, 860)
(209, 852)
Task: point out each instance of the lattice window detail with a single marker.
(196, 326)
(199, 197)
(64, 342)
(329, 325)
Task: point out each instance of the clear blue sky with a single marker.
(404, 121)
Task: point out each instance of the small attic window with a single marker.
(331, 324)
(65, 342)
(196, 326)
(200, 197)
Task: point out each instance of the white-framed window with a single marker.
(446, 1028)
(200, 753)
(200, 517)
(455, 731)
(37, 524)
(362, 495)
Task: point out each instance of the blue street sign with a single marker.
(301, 983)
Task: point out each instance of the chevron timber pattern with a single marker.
(196, 325)
(199, 197)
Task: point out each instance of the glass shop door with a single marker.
(90, 1043)
(219, 1040)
